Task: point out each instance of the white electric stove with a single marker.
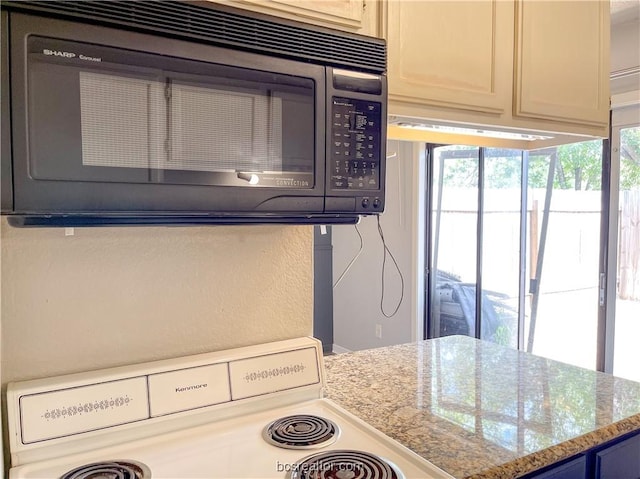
(254, 413)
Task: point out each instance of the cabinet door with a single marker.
(349, 15)
(452, 54)
(574, 469)
(562, 66)
(620, 461)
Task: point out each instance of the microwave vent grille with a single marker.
(225, 26)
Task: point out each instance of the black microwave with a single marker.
(172, 112)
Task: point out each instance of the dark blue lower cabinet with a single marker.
(620, 461)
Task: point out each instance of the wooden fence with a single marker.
(629, 245)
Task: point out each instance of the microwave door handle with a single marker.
(168, 94)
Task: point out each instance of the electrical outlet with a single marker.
(379, 331)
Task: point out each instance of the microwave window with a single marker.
(122, 121)
(246, 133)
(185, 123)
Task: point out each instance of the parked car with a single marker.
(454, 311)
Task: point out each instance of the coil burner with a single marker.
(345, 464)
(301, 431)
(110, 470)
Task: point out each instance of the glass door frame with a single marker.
(622, 116)
(429, 326)
(607, 260)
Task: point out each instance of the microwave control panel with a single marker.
(356, 133)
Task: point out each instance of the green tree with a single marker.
(578, 165)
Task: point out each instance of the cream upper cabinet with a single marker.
(534, 65)
(357, 16)
(453, 54)
(562, 61)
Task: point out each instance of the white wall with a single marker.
(112, 296)
(625, 53)
(625, 44)
(356, 300)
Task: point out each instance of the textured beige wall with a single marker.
(112, 296)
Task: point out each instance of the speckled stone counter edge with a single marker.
(560, 452)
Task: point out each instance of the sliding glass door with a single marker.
(564, 208)
(454, 262)
(624, 277)
(501, 242)
(475, 243)
(514, 247)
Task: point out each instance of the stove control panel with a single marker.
(190, 388)
(61, 409)
(270, 373)
(92, 407)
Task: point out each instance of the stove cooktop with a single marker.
(273, 429)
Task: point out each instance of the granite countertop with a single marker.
(479, 410)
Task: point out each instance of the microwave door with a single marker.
(144, 132)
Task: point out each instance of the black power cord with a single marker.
(384, 260)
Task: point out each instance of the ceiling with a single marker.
(624, 10)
